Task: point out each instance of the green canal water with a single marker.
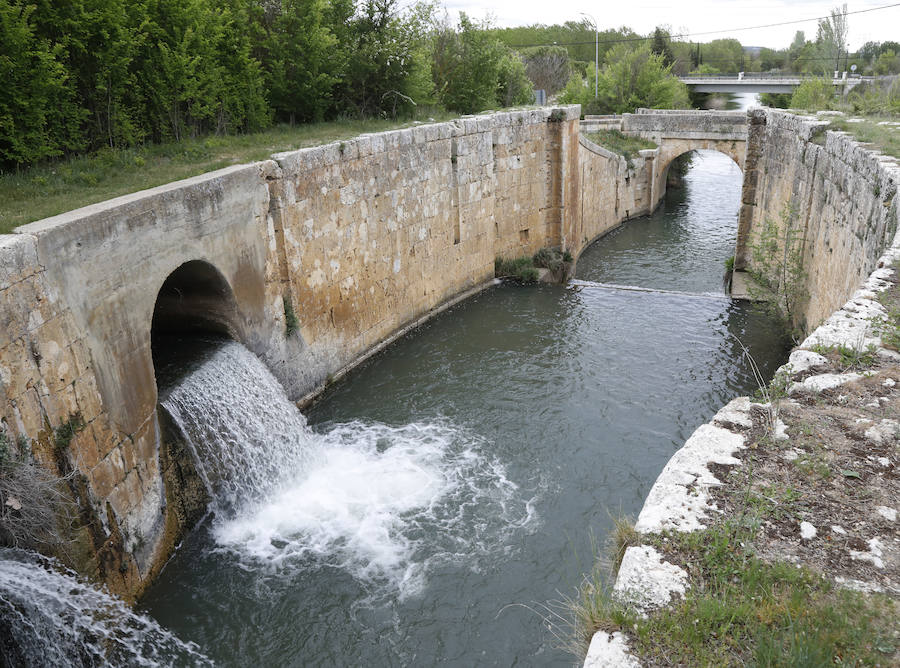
(451, 485)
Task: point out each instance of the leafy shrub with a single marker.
(521, 269)
(813, 95)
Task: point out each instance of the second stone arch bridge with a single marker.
(676, 132)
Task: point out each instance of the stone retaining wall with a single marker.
(842, 196)
(361, 238)
(613, 190)
(833, 188)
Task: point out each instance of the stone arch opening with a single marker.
(195, 302)
(671, 158)
(195, 312)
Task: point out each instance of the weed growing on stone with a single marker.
(777, 255)
(521, 269)
(888, 326)
(771, 393)
(291, 323)
(65, 432)
(35, 510)
(6, 451)
(622, 536)
(574, 619)
(559, 262)
(729, 274)
(849, 358)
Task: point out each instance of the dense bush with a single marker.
(473, 70)
(813, 94)
(83, 74)
(548, 67)
(632, 77)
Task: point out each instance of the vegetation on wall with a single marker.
(35, 509)
(617, 142)
(520, 269)
(778, 269)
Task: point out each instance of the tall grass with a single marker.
(63, 185)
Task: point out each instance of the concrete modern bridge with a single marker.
(751, 82)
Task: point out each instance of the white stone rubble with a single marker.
(807, 531)
(886, 430)
(889, 514)
(803, 360)
(873, 555)
(609, 651)
(822, 382)
(736, 412)
(859, 585)
(647, 582)
(679, 500)
(780, 431)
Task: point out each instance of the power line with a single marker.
(707, 32)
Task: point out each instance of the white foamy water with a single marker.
(50, 617)
(383, 503)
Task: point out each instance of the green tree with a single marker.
(831, 39)
(577, 37)
(513, 85)
(813, 95)
(634, 78)
(661, 47)
(387, 67)
(39, 117)
(726, 55)
(197, 71)
(888, 63)
(473, 70)
(776, 100)
(769, 59)
(797, 52)
(299, 60)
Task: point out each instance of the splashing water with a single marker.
(50, 617)
(360, 496)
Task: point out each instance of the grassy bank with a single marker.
(799, 566)
(616, 142)
(882, 132)
(64, 185)
(742, 609)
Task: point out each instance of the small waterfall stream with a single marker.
(357, 496)
(247, 437)
(449, 486)
(50, 617)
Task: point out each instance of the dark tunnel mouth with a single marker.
(195, 312)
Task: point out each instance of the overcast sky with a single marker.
(696, 16)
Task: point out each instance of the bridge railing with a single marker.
(770, 76)
(748, 75)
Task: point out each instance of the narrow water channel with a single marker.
(450, 486)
